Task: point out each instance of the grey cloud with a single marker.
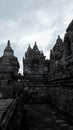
(15, 9)
(23, 13)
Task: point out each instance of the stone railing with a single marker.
(7, 108)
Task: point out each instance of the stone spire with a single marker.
(8, 44)
(59, 40)
(70, 27)
(8, 51)
(29, 48)
(35, 47)
(58, 44)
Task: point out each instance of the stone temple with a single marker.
(22, 99)
(9, 64)
(34, 64)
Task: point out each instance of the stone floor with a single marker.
(42, 117)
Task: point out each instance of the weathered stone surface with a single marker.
(9, 64)
(34, 64)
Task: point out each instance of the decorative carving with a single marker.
(34, 64)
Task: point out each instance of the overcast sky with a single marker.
(26, 21)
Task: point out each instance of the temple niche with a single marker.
(34, 64)
(9, 64)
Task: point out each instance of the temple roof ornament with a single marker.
(58, 44)
(8, 51)
(59, 40)
(35, 47)
(29, 48)
(70, 27)
(8, 44)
